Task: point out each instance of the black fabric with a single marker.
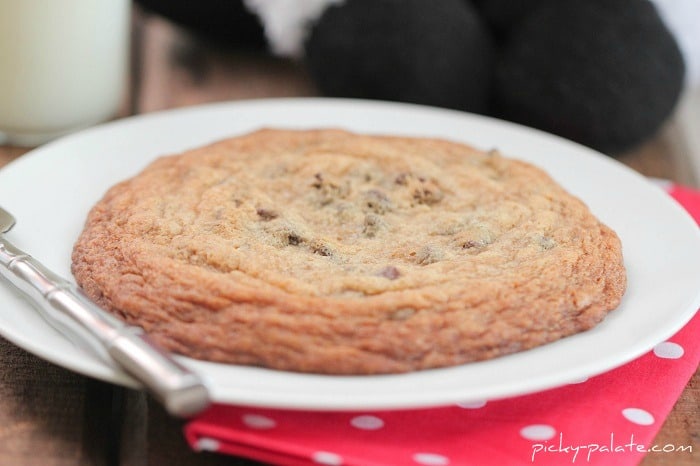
(605, 73)
(225, 21)
(435, 53)
(503, 15)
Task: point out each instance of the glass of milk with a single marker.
(63, 66)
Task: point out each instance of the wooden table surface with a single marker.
(51, 416)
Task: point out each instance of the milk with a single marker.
(63, 65)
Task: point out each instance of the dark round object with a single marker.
(226, 21)
(503, 15)
(433, 53)
(605, 73)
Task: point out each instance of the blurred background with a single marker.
(620, 76)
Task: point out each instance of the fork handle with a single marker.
(182, 392)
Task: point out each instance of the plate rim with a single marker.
(120, 378)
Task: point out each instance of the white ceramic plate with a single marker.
(51, 189)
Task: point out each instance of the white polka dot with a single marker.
(580, 380)
(472, 404)
(430, 459)
(638, 416)
(669, 350)
(538, 432)
(367, 422)
(327, 458)
(207, 444)
(257, 421)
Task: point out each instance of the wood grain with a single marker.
(681, 428)
(653, 158)
(180, 70)
(10, 153)
(51, 416)
(45, 417)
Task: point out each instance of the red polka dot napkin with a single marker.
(610, 419)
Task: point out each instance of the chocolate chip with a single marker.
(390, 272)
(266, 214)
(475, 237)
(475, 245)
(427, 195)
(294, 239)
(372, 225)
(377, 201)
(318, 181)
(423, 190)
(402, 178)
(321, 250)
(329, 190)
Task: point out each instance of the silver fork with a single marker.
(182, 392)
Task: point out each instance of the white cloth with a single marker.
(682, 17)
(287, 22)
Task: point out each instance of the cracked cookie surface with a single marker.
(332, 252)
